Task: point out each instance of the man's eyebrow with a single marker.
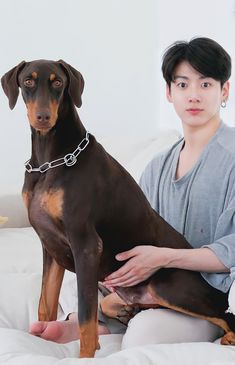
(186, 78)
(180, 77)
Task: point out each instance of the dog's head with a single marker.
(43, 84)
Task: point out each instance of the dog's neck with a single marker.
(63, 138)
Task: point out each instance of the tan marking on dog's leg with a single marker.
(111, 305)
(89, 338)
(163, 303)
(52, 203)
(48, 304)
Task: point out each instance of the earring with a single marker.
(223, 104)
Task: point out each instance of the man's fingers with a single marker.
(124, 270)
(119, 278)
(126, 254)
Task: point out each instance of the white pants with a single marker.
(154, 326)
(151, 326)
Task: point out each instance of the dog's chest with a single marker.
(45, 208)
(44, 204)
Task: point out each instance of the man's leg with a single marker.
(155, 326)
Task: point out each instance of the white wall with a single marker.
(111, 42)
(117, 45)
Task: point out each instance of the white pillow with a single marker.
(136, 165)
(20, 251)
(19, 299)
(134, 154)
(12, 206)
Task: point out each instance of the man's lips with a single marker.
(194, 110)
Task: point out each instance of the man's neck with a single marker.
(196, 138)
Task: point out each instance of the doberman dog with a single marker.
(86, 208)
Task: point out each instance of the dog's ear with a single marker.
(75, 83)
(10, 83)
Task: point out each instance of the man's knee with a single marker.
(141, 330)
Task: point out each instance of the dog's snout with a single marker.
(43, 116)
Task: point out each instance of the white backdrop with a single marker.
(117, 45)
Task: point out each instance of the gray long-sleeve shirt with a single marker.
(201, 204)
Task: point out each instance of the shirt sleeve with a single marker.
(224, 248)
(144, 184)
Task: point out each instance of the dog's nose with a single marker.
(43, 116)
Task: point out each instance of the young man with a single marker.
(192, 186)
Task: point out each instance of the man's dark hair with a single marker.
(204, 54)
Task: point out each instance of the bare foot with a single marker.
(61, 331)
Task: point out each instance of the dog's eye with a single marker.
(29, 83)
(57, 83)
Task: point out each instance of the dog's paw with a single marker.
(228, 339)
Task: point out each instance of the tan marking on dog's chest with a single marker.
(52, 202)
(52, 77)
(26, 195)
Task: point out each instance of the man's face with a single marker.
(196, 98)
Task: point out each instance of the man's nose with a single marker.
(194, 99)
(194, 95)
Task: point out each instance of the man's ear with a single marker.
(10, 83)
(168, 93)
(75, 83)
(225, 90)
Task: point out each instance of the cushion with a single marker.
(135, 154)
(21, 251)
(19, 299)
(12, 206)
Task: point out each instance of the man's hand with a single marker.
(142, 262)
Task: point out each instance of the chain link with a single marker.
(69, 160)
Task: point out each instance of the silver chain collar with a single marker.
(69, 160)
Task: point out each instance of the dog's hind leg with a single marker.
(127, 302)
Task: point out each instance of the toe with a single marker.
(37, 328)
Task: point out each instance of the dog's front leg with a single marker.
(51, 283)
(86, 252)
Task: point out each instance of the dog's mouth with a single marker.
(40, 128)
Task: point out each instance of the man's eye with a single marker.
(29, 83)
(182, 85)
(205, 84)
(57, 83)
